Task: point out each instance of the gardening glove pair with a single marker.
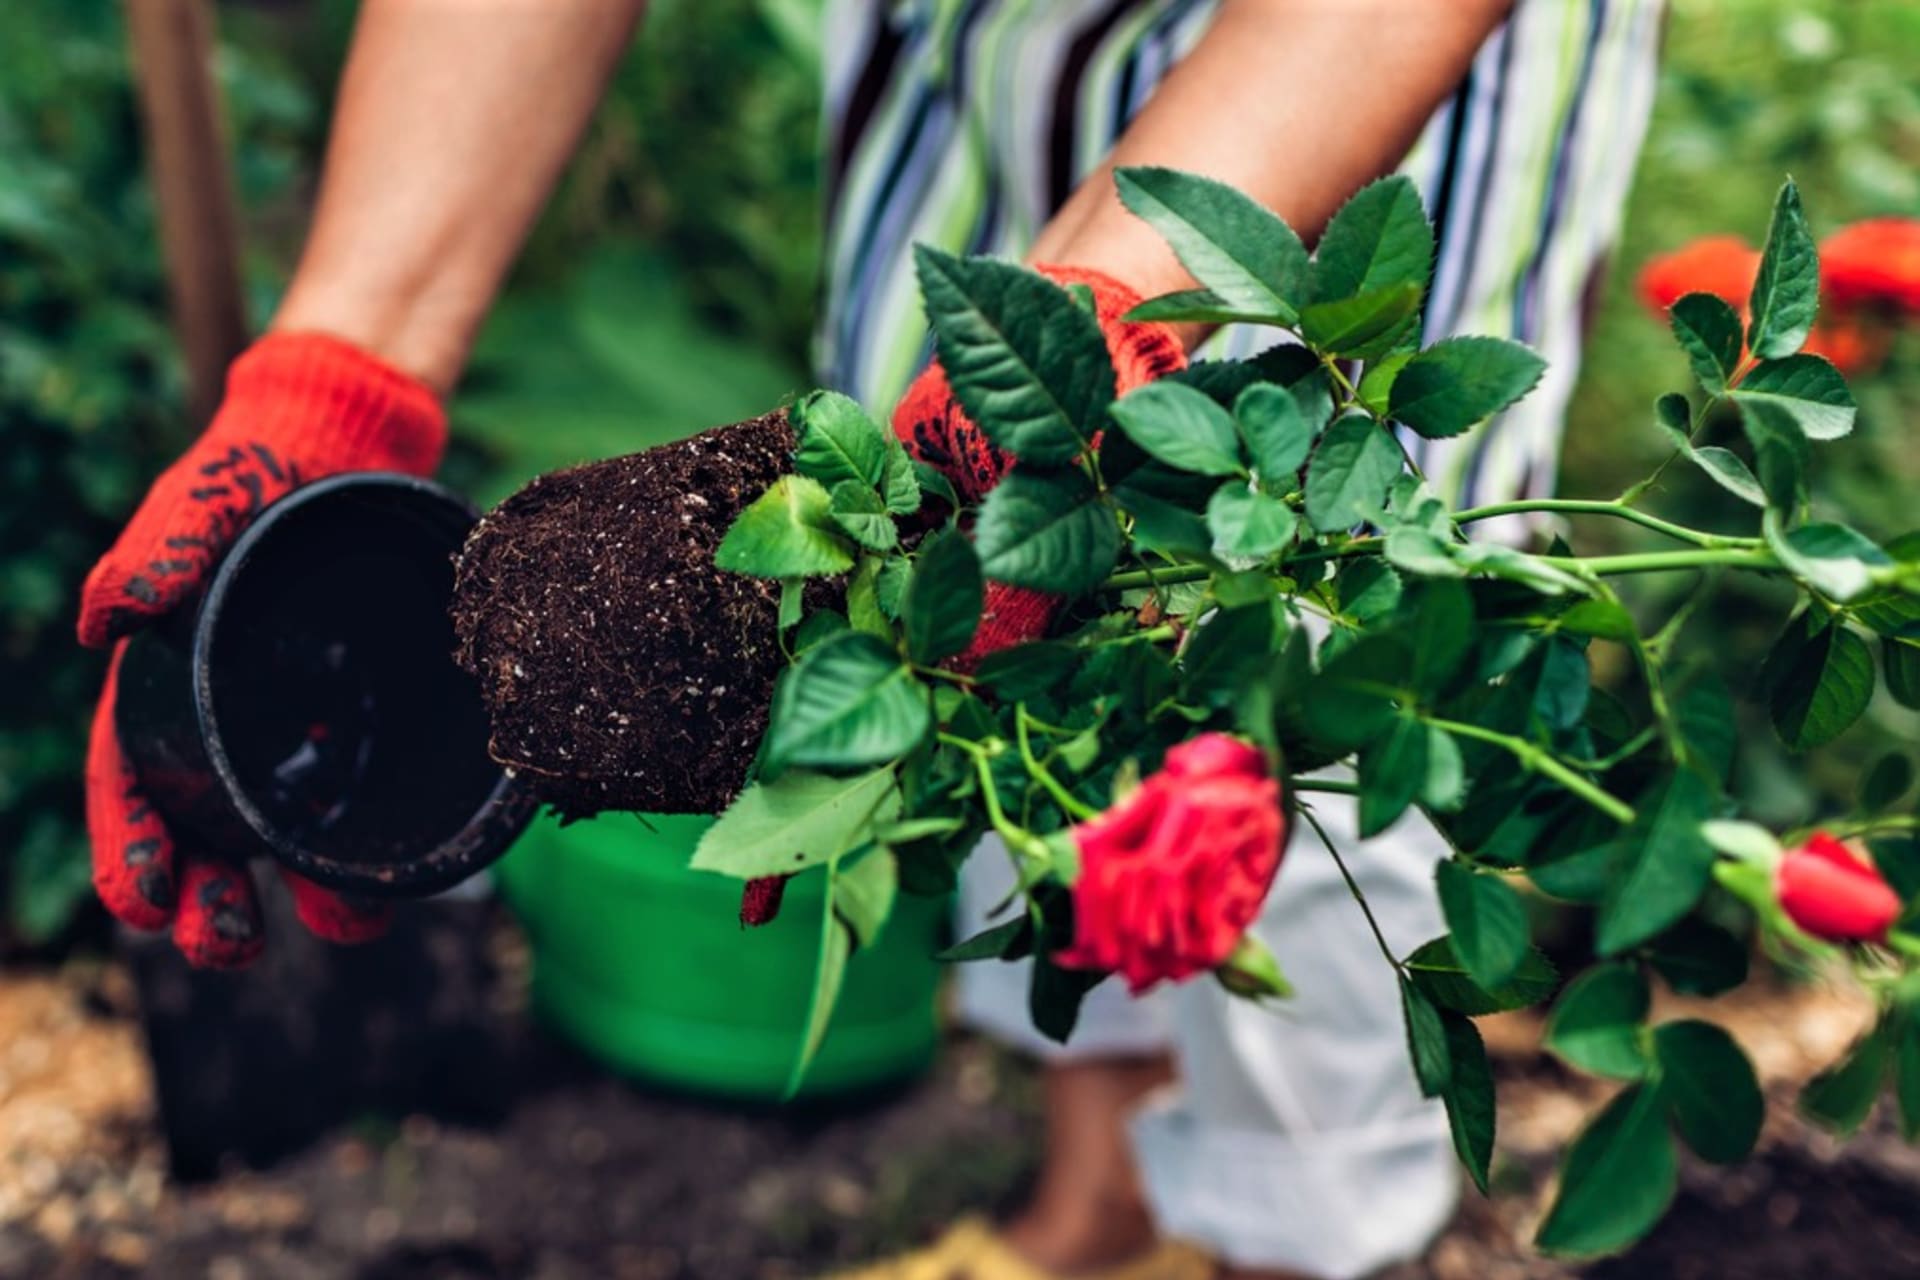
(299, 406)
(930, 422)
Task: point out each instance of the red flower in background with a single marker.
(1865, 269)
(1832, 894)
(1723, 266)
(1172, 876)
(1875, 263)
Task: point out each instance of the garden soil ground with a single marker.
(591, 1177)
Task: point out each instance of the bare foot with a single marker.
(1087, 1211)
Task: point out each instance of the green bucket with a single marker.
(643, 962)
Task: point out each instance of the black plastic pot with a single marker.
(308, 707)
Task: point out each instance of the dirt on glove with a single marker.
(620, 668)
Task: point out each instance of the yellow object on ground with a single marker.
(972, 1250)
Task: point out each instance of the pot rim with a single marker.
(488, 831)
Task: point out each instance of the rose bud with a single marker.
(1832, 894)
(1171, 876)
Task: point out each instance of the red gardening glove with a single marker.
(298, 407)
(929, 421)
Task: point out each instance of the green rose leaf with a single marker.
(1597, 1023)
(1007, 940)
(1725, 468)
(941, 608)
(1161, 524)
(864, 892)
(1901, 660)
(1352, 701)
(1668, 864)
(1469, 1096)
(1833, 559)
(1617, 1180)
(1840, 1097)
(1786, 292)
(830, 971)
(1362, 327)
(838, 441)
(1460, 381)
(1699, 959)
(1820, 679)
(847, 702)
(787, 532)
(1054, 996)
(1048, 530)
(900, 479)
(1807, 389)
(862, 514)
(1709, 1083)
(1349, 472)
(1378, 239)
(1227, 653)
(933, 483)
(1026, 364)
(1780, 450)
(1196, 306)
(1392, 771)
(1276, 434)
(1237, 248)
(863, 598)
(796, 821)
(1026, 670)
(1245, 522)
(1427, 1038)
(1888, 780)
(1184, 428)
(1444, 979)
(1487, 921)
(1708, 330)
(1722, 466)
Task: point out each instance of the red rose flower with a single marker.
(1723, 266)
(1832, 894)
(1873, 263)
(1172, 876)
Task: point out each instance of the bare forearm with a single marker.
(455, 119)
(1296, 102)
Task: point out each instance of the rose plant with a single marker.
(1258, 584)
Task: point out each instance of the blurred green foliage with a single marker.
(1824, 90)
(671, 285)
(90, 392)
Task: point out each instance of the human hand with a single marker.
(298, 407)
(930, 422)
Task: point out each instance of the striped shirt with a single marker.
(965, 123)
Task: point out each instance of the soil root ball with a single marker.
(620, 668)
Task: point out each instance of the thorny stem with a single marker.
(1660, 561)
(1353, 887)
(1581, 506)
(1533, 756)
(1021, 843)
(1043, 775)
(1737, 557)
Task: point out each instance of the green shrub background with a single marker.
(671, 285)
